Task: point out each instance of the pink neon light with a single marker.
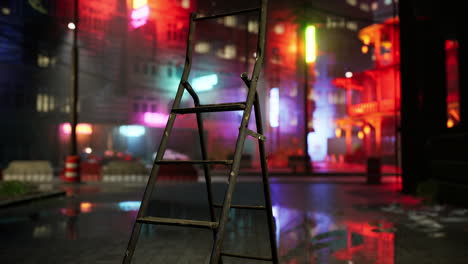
(140, 16)
(81, 129)
(155, 119)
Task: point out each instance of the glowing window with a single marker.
(185, 4)
(229, 52)
(202, 47)
(155, 119)
(364, 7)
(279, 29)
(351, 2)
(230, 21)
(352, 26)
(252, 26)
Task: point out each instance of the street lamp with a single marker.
(72, 164)
(310, 56)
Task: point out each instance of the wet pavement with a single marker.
(316, 223)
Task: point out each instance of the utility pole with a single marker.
(72, 164)
(74, 83)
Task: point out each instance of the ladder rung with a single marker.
(222, 162)
(177, 222)
(255, 134)
(245, 256)
(252, 207)
(210, 108)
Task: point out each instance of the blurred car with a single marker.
(170, 154)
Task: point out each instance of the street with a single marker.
(316, 223)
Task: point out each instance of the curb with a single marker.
(30, 198)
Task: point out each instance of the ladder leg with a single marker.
(266, 184)
(206, 169)
(218, 244)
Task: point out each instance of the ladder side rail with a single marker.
(217, 246)
(265, 178)
(206, 170)
(266, 181)
(162, 147)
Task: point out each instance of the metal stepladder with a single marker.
(252, 100)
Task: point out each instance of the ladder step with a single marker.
(245, 256)
(211, 108)
(251, 207)
(222, 162)
(177, 222)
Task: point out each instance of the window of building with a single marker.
(388, 2)
(202, 47)
(153, 108)
(375, 6)
(230, 21)
(153, 69)
(144, 107)
(364, 7)
(45, 61)
(185, 4)
(279, 29)
(44, 102)
(352, 25)
(351, 2)
(136, 107)
(252, 26)
(229, 52)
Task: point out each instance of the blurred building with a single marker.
(131, 59)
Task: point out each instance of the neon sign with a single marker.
(310, 44)
(132, 131)
(205, 83)
(140, 13)
(81, 129)
(274, 107)
(155, 119)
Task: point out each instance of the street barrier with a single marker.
(29, 170)
(125, 171)
(72, 169)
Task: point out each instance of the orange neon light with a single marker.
(360, 135)
(367, 129)
(338, 132)
(364, 49)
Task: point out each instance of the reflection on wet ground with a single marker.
(315, 223)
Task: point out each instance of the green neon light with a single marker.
(310, 45)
